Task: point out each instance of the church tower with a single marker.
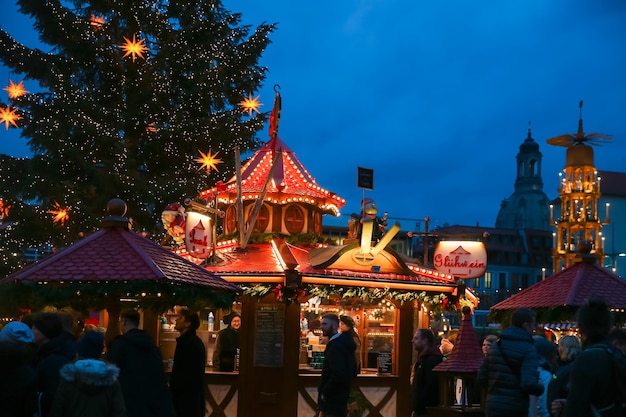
(527, 207)
(577, 220)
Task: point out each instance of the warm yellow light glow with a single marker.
(8, 115)
(208, 160)
(134, 48)
(250, 104)
(60, 214)
(15, 90)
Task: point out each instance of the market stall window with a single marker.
(374, 328)
(214, 324)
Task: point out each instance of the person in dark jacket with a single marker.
(56, 348)
(18, 379)
(510, 370)
(187, 379)
(338, 369)
(568, 349)
(227, 344)
(591, 383)
(89, 387)
(425, 382)
(142, 376)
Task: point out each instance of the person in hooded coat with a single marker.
(89, 387)
(142, 376)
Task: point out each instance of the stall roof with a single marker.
(570, 287)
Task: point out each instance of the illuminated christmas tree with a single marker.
(131, 92)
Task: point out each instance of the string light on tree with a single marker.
(249, 104)
(134, 48)
(9, 116)
(208, 160)
(15, 90)
(60, 214)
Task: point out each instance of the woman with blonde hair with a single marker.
(568, 349)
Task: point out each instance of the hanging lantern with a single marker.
(60, 214)
(15, 90)
(250, 104)
(134, 48)
(208, 160)
(9, 116)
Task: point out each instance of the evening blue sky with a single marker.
(434, 96)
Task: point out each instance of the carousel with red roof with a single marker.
(271, 245)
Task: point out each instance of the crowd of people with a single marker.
(49, 369)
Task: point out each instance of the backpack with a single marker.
(618, 365)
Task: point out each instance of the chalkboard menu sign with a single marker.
(269, 335)
(384, 362)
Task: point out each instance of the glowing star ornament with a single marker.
(4, 209)
(208, 160)
(96, 21)
(134, 48)
(9, 116)
(250, 104)
(15, 90)
(61, 215)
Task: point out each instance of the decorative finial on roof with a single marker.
(116, 209)
(581, 133)
(530, 137)
(275, 116)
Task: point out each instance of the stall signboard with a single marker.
(198, 235)
(462, 259)
(269, 335)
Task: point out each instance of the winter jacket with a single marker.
(226, 349)
(18, 380)
(89, 387)
(510, 373)
(142, 376)
(559, 385)
(338, 371)
(187, 379)
(590, 382)
(425, 384)
(50, 358)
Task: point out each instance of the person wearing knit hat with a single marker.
(16, 332)
(90, 345)
(18, 384)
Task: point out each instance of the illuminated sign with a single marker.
(198, 234)
(461, 259)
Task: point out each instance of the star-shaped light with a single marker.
(96, 21)
(8, 115)
(4, 209)
(249, 104)
(134, 48)
(15, 90)
(208, 160)
(61, 215)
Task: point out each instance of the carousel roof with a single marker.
(290, 181)
(571, 287)
(265, 263)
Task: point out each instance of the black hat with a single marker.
(48, 324)
(91, 345)
(347, 320)
(230, 316)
